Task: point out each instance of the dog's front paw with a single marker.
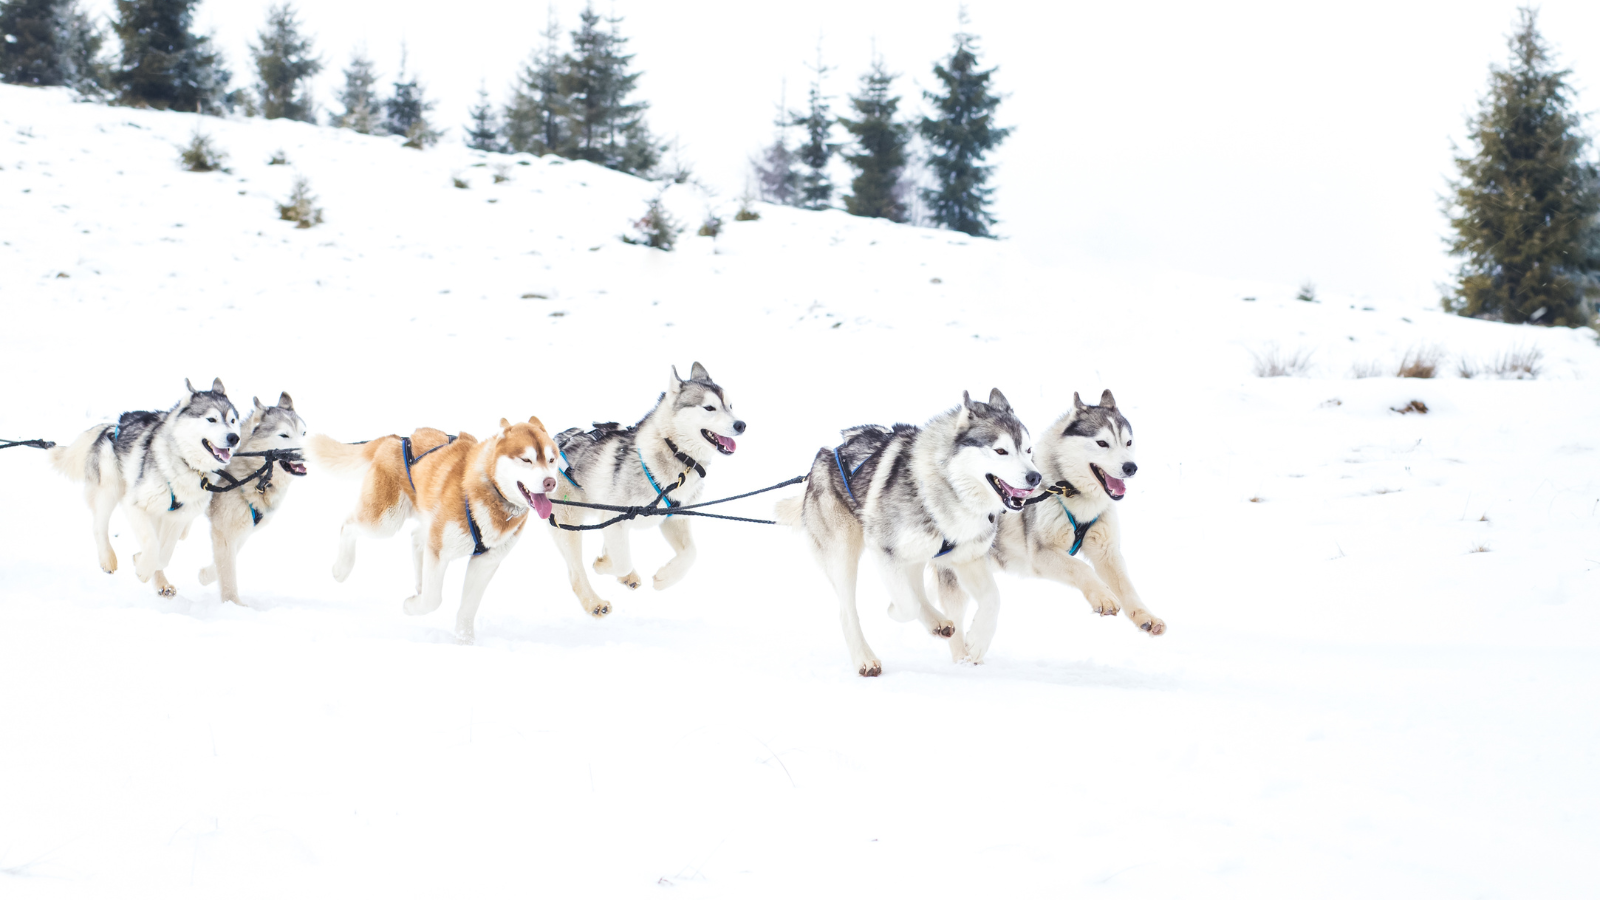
(1147, 622)
(1103, 604)
(108, 563)
(466, 638)
(870, 669)
(599, 610)
(666, 578)
(631, 581)
(208, 575)
(413, 605)
(944, 629)
(138, 570)
(163, 586)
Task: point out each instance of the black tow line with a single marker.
(262, 475)
(41, 443)
(654, 508)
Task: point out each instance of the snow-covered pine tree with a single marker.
(816, 188)
(1526, 204)
(362, 109)
(958, 136)
(284, 65)
(535, 117)
(604, 127)
(777, 180)
(407, 110)
(484, 132)
(164, 64)
(49, 43)
(880, 157)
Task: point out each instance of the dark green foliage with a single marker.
(49, 43)
(201, 155)
(1308, 293)
(484, 133)
(880, 157)
(1525, 207)
(164, 65)
(958, 136)
(536, 116)
(711, 227)
(301, 208)
(407, 111)
(362, 109)
(283, 66)
(776, 174)
(603, 126)
(816, 188)
(656, 229)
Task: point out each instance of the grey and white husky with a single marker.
(1086, 458)
(687, 432)
(156, 465)
(910, 496)
(241, 512)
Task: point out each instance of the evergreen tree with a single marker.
(283, 66)
(407, 110)
(777, 178)
(958, 138)
(816, 188)
(604, 127)
(1526, 209)
(362, 108)
(880, 157)
(49, 43)
(164, 64)
(535, 118)
(485, 131)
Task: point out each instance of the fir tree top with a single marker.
(960, 133)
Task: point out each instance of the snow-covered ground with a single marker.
(1349, 700)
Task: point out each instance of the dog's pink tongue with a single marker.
(541, 506)
(1116, 486)
(727, 443)
(224, 455)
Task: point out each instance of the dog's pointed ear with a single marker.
(1077, 402)
(257, 402)
(534, 421)
(674, 383)
(504, 423)
(1106, 400)
(964, 414)
(285, 401)
(216, 385)
(698, 372)
(998, 401)
(192, 391)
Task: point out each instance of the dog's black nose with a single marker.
(738, 426)
(1034, 478)
(233, 439)
(1129, 469)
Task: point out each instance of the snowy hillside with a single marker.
(1349, 701)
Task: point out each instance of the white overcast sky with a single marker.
(1274, 142)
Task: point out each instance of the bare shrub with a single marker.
(712, 226)
(1274, 362)
(202, 155)
(1372, 369)
(1467, 367)
(460, 183)
(1415, 406)
(1420, 362)
(1520, 363)
(502, 173)
(301, 208)
(278, 159)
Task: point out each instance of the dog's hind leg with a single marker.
(570, 543)
(910, 599)
(953, 600)
(431, 595)
(841, 562)
(102, 502)
(681, 540)
(366, 522)
(616, 556)
(224, 563)
(479, 570)
(975, 578)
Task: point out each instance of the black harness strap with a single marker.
(41, 443)
(478, 549)
(685, 458)
(262, 475)
(633, 512)
(1060, 489)
(405, 453)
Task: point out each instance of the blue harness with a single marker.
(659, 492)
(567, 472)
(1078, 531)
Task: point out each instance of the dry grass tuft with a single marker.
(1274, 362)
(1520, 363)
(1258, 500)
(1373, 369)
(1420, 362)
(1479, 548)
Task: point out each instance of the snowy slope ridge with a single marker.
(1349, 701)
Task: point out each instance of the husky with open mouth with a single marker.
(690, 430)
(908, 496)
(1087, 459)
(471, 498)
(246, 509)
(156, 465)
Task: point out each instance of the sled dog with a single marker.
(1086, 458)
(910, 496)
(471, 498)
(676, 443)
(248, 508)
(156, 465)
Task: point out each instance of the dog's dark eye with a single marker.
(1001, 451)
(211, 419)
(1130, 443)
(283, 435)
(711, 409)
(1102, 443)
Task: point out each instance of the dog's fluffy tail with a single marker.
(72, 460)
(336, 458)
(788, 511)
